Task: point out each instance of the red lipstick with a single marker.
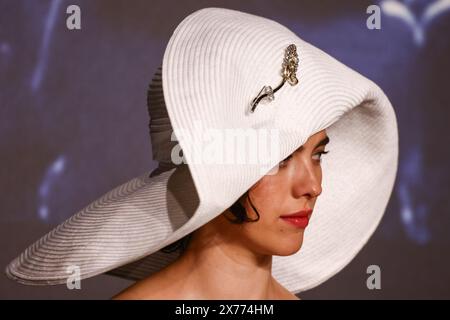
(299, 219)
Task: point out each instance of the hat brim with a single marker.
(125, 224)
(358, 178)
(122, 232)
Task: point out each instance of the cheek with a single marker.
(270, 235)
(268, 197)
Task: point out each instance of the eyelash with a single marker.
(282, 162)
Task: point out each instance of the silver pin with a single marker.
(290, 65)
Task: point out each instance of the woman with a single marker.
(223, 256)
(207, 225)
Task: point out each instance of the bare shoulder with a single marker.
(134, 292)
(152, 288)
(283, 293)
(291, 296)
(287, 295)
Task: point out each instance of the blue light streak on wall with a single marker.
(413, 212)
(52, 173)
(42, 61)
(418, 22)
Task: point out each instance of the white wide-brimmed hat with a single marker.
(225, 69)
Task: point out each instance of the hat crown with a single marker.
(160, 128)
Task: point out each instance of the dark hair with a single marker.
(240, 216)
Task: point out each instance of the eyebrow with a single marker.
(321, 143)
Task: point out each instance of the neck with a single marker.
(217, 268)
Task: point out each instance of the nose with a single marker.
(307, 180)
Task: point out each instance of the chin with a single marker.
(289, 247)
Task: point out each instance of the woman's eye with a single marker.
(320, 155)
(283, 163)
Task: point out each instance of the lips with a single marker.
(298, 219)
(302, 213)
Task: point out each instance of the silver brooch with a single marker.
(290, 65)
